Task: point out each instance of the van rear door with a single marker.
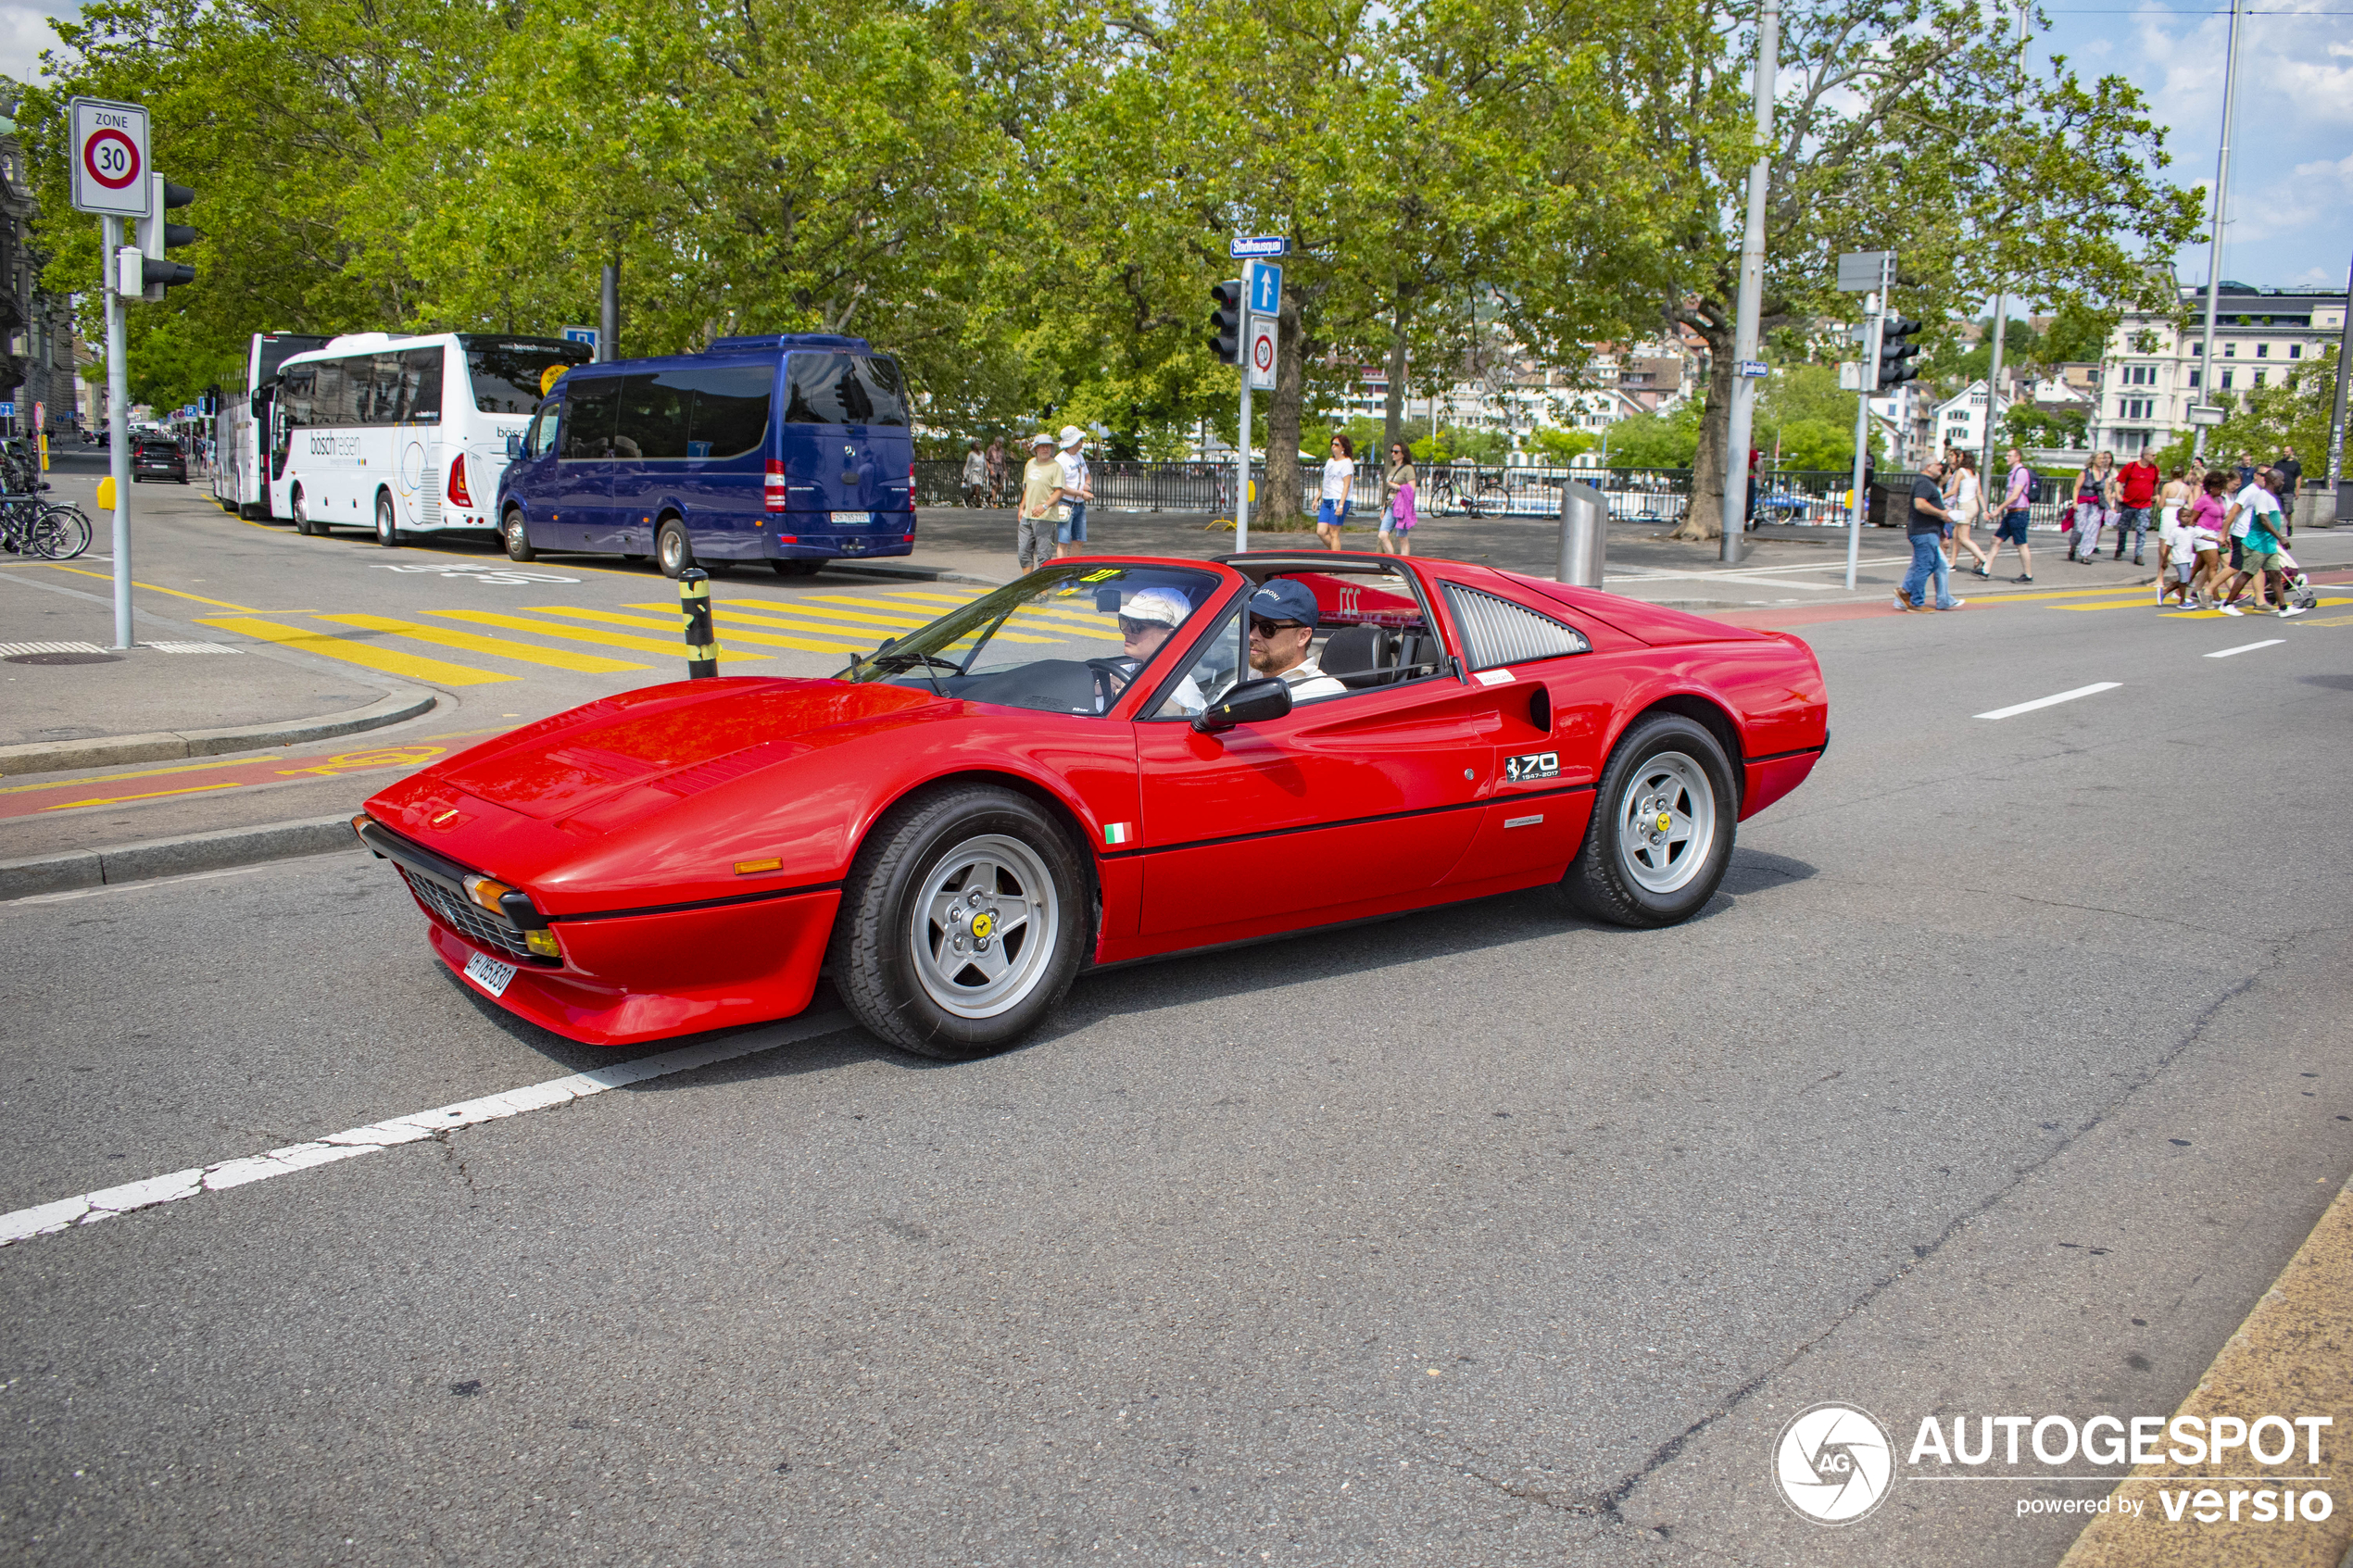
(847, 451)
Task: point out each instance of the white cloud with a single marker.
(24, 34)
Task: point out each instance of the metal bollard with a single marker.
(694, 603)
(1584, 534)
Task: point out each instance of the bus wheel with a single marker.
(518, 539)
(671, 552)
(301, 510)
(387, 531)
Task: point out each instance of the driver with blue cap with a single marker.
(1282, 624)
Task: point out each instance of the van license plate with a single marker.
(489, 973)
(843, 520)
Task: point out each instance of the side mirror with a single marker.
(1252, 702)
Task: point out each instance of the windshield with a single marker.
(1064, 639)
(509, 372)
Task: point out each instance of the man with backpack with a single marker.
(2017, 498)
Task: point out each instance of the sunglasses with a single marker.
(1131, 629)
(1268, 628)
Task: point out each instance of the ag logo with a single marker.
(1833, 1463)
(1535, 765)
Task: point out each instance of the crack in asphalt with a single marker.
(1609, 1502)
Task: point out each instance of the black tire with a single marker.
(517, 537)
(1665, 763)
(300, 506)
(673, 553)
(387, 530)
(895, 978)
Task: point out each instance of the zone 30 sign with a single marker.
(108, 152)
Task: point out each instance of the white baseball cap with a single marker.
(1162, 606)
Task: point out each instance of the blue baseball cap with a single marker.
(1283, 599)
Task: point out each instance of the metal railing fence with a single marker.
(1805, 498)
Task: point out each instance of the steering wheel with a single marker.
(1110, 675)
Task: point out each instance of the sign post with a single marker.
(1261, 304)
(1869, 273)
(108, 149)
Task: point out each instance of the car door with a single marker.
(1346, 801)
(579, 501)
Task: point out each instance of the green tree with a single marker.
(1905, 125)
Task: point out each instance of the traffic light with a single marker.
(155, 236)
(1226, 322)
(1896, 351)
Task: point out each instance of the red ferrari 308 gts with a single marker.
(1110, 759)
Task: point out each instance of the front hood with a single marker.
(672, 741)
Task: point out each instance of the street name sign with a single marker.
(1866, 272)
(1754, 370)
(1259, 245)
(2204, 414)
(1260, 343)
(108, 149)
(1265, 289)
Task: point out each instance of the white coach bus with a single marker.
(405, 434)
(240, 427)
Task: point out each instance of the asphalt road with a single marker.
(2005, 1074)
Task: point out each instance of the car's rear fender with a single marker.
(1763, 702)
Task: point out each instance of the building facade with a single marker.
(2150, 376)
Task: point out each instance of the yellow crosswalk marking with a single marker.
(606, 617)
(838, 622)
(2322, 603)
(602, 639)
(366, 655)
(587, 663)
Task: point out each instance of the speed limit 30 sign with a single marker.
(108, 151)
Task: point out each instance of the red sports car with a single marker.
(1110, 759)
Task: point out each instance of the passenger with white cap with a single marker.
(1079, 488)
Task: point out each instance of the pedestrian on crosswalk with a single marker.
(2017, 511)
(1924, 525)
(2095, 508)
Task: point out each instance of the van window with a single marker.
(590, 409)
(653, 419)
(730, 413)
(843, 389)
(507, 371)
(542, 439)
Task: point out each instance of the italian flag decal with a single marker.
(1118, 832)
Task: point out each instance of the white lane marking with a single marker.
(88, 1208)
(2249, 647)
(2051, 701)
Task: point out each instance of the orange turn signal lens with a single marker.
(753, 868)
(486, 893)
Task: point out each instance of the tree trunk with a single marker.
(1279, 503)
(1704, 520)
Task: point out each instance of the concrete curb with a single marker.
(164, 746)
(174, 857)
(913, 573)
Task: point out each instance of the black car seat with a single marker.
(1352, 656)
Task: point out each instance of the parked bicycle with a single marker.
(30, 524)
(1481, 493)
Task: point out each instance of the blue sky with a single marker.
(2290, 222)
(2291, 218)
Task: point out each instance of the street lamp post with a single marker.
(2214, 241)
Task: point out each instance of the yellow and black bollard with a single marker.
(694, 602)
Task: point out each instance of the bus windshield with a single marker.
(508, 371)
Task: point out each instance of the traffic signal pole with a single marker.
(1746, 329)
(117, 428)
(1875, 318)
(1242, 485)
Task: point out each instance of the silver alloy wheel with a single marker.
(670, 547)
(982, 929)
(387, 532)
(1665, 823)
(301, 513)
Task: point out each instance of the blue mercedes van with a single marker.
(794, 450)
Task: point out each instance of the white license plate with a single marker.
(489, 973)
(843, 520)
